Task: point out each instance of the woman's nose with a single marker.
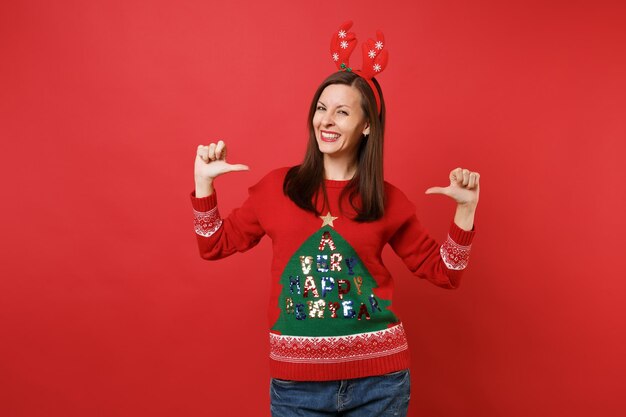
(327, 119)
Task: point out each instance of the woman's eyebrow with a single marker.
(341, 105)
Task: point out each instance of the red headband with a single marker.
(374, 56)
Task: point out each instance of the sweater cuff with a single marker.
(460, 236)
(206, 217)
(203, 203)
(455, 250)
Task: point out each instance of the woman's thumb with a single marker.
(436, 190)
(238, 167)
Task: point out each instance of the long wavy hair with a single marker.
(365, 191)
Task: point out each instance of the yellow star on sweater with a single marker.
(328, 220)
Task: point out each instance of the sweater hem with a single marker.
(319, 358)
(343, 370)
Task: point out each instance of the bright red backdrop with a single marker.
(106, 309)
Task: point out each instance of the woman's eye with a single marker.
(340, 111)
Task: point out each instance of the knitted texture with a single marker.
(331, 311)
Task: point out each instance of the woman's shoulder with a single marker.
(277, 174)
(393, 191)
(396, 199)
(271, 179)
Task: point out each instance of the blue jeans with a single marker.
(384, 395)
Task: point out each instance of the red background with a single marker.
(106, 309)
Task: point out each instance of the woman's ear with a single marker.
(366, 131)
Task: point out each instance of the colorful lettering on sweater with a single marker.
(327, 291)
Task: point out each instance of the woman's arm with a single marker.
(442, 264)
(217, 237)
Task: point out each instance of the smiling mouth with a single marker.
(327, 137)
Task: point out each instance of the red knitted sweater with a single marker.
(330, 310)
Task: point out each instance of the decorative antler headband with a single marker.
(374, 56)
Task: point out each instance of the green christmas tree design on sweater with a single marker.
(327, 291)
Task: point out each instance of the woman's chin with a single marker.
(328, 147)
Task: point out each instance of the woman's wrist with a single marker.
(204, 187)
(464, 216)
(467, 207)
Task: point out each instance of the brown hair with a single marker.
(303, 182)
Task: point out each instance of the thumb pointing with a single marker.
(435, 190)
(238, 167)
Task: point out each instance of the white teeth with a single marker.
(327, 136)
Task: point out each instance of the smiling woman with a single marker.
(336, 344)
(345, 105)
(340, 125)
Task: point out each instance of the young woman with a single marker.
(336, 345)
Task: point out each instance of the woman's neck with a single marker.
(339, 169)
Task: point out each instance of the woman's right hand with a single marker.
(211, 163)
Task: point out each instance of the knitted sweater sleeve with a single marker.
(218, 238)
(441, 264)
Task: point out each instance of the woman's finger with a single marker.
(212, 147)
(476, 178)
(238, 167)
(466, 174)
(456, 176)
(220, 150)
(472, 180)
(203, 152)
(437, 190)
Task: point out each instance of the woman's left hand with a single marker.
(464, 187)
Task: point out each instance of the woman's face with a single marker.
(339, 121)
